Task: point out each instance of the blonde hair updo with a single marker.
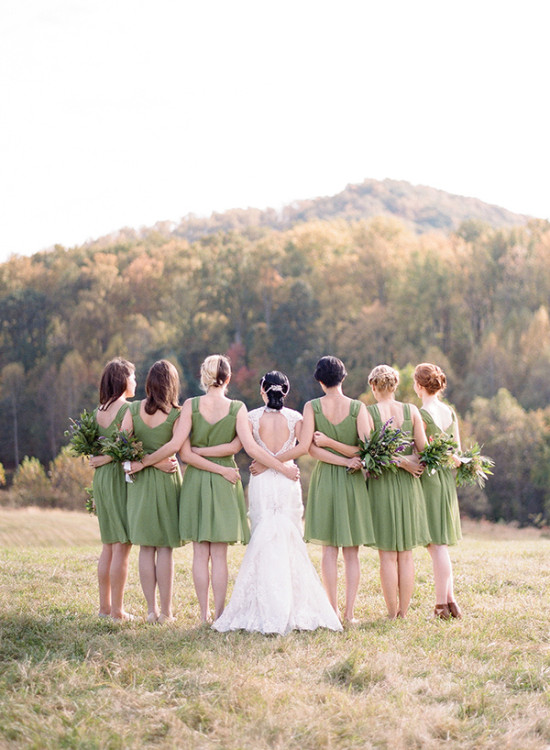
(384, 378)
(214, 371)
(431, 377)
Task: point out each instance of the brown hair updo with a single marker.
(431, 377)
(214, 371)
(384, 378)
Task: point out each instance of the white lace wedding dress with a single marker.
(277, 588)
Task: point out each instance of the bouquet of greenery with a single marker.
(83, 435)
(474, 468)
(378, 453)
(123, 447)
(90, 504)
(438, 453)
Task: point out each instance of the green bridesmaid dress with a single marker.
(153, 496)
(397, 501)
(337, 511)
(109, 489)
(440, 492)
(211, 508)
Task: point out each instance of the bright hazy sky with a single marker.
(127, 112)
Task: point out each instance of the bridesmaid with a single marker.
(396, 499)
(212, 507)
(153, 495)
(440, 488)
(118, 383)
(337, 510)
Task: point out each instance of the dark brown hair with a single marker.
(114, 381)
(162, 388)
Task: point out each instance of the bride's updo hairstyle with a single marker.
(162, 388)
(330, 371)
(431, 377)
(275, 385)
(214, 371)
(384, 378)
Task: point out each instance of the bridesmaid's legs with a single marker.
(165, 581)
(329, 570)
(405, 576)
(443, 573)
(119, 576)
(201, 577)
(218, 553)
(148, 579)
(353, 574)
(104, 579)
(389, 580)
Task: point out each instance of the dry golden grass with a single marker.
(70, 680)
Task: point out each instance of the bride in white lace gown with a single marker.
(277, 588)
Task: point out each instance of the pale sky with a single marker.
(120, 113)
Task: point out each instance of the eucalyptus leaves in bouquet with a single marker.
(474, 468)
(123, 447)
(438, 453)
(380, 451)
(83, 434)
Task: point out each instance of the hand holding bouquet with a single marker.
(83, 435)
(438, 453)
(474, 468)
(123, 447)
(379, 453)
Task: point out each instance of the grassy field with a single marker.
(70, 680)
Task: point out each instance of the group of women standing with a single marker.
(277, 588)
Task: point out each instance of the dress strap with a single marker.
(406, 412)
(235, 406)
(173, 415)
(316, 406)
(134, 407)
(427, 417)
(354, 408)
(195, 404)
(120, 414)
(374, 411)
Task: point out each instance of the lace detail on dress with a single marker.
(292, 418)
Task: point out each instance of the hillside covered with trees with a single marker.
(474, 299)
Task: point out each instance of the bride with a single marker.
(277, 588)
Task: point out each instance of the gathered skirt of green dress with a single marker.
(153, 508)
(109, 489)
(211, 508)
(337, 511)
(442, 508)
(398, 511)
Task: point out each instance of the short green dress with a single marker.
(338, 513)
(397, 501)
(153, 495)
(211, 508)
(109, 488)
(440, 492)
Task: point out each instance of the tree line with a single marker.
(475, 301)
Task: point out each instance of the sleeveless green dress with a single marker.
(109, 488)
(211, 508)
(153, 496)
(337, 511)
(397, 501)
(440, 492)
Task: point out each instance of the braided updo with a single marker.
(384, 378)
(431, 377)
